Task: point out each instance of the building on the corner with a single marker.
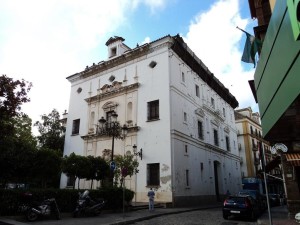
(250, 143)
(277, 87)
(178, 113)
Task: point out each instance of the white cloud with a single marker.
(215, 40)
(146, 40)
(46, 41)
(154, 5)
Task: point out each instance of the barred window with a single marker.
(153, 174)
(153, 110)
(227, 143)
(200, 130)
(216, 137)
(76, 125)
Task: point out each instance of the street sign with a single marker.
(112, 165)
(278, 146)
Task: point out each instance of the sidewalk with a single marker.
(279, 216)
(106, 218)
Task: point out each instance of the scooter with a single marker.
(47, 207)
(86, 206)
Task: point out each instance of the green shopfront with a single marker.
(277, 83)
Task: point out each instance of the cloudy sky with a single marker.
(45, 41)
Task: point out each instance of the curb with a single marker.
(161, 214)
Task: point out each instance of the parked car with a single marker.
(240, 206)
(261, 199)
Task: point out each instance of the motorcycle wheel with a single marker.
(97, 211)
(76, 213)
(31, 216)
(57, 216)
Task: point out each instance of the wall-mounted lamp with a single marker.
(140, 153)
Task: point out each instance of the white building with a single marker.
(179, 114)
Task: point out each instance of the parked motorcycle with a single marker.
(45, 208)
(87, 206)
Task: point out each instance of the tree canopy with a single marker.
(52, 132)
(13, 93)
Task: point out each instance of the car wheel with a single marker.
(225, 216)
(252, 216)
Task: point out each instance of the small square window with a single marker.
(113, 51)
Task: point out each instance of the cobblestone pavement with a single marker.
(199, 217)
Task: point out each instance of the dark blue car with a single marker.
(240, 206)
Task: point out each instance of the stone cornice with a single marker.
(109, 94)
(128, 56)
(95, 136)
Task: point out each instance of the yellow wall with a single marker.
(272, 4)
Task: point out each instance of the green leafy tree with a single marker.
(73, 166)
(99, 169)
(13, 93)
(46, 166)
(24, 148)
(125, 166)
(52, 132)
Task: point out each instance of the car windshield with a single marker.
(251, 193)
(236, 199)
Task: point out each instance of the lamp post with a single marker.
(140, 153)
(112, 128)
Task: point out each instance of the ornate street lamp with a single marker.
(112, 128)
(140, 153)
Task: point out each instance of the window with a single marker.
(227, 143)
(212, 102)
(200, 130)
(224, 112)
(113, 51)
(186, 149)
(75, 128)
(216, 137)
(197, 90)
(70, 181)
(184, 117)
(182, 77)
(187, 178)
(251, 129)
(153, 110)
(153, 174)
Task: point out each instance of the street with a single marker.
(199, 217)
